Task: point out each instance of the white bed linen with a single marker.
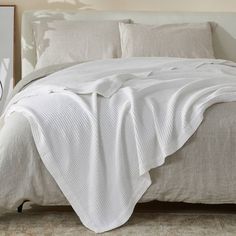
(159, 106)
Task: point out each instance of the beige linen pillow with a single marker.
(65, 41)
(173, 40)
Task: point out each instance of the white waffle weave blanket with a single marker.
(99, 127)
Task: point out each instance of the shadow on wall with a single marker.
(44, 20)
(65, 4)
(58, 5)
(26, 5)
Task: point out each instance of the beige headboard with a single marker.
(224, 32)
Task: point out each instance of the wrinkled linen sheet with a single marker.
(133, 113)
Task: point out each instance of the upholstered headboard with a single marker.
(224, 32)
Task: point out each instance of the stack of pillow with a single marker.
(64, 41)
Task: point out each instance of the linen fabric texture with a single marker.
(172, 40)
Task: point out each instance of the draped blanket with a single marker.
(100, 126)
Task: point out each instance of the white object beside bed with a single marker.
(224, 33)
(6, 52)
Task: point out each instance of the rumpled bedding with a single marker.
(107, 123)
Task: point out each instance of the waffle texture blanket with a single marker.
(100, 126)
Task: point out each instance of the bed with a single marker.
(202, 171)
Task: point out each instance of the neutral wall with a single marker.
(144, 5)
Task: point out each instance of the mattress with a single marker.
(202, 171)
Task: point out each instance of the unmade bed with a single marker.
(124, 105)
